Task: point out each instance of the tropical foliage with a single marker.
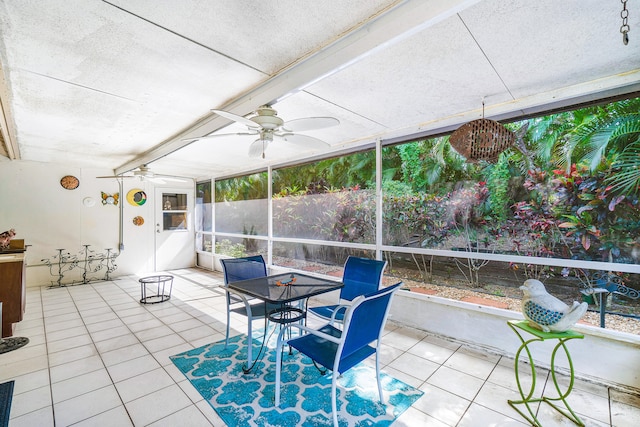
(569, 189)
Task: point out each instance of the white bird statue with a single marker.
(546, 312)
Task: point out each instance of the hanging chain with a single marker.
(624, 28)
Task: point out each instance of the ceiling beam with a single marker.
(396, 24)
(525, 107)
(7, 127)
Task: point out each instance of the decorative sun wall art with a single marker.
(136, 197)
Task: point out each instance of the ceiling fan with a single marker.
(267, 126)
(144, 173)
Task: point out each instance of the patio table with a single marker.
(281, 290)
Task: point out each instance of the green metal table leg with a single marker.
(528, 399)
(562, 396)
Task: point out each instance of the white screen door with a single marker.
(174, 229)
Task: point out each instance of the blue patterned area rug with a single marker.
(248, 399)
(6, 395)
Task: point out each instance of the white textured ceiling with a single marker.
(115, 84)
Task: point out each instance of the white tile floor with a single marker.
(97, 357)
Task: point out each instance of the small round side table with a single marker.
(161, 283)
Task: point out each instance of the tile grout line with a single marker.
(46, 347)
(99, 355)
(151, 354)
(93, 342)
(164, 366)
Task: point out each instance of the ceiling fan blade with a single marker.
(166, 179)
(156, 180)
(310, 123)
(115, 176)
(237, 118)
(222, 134)
(258, 147)
(307, 141)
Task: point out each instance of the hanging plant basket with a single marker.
(482, 139)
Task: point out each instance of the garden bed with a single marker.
(592, 317)
(498, 290)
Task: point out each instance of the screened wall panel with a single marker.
(242, 205)
(332, 200)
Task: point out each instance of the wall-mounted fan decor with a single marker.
(268, 127)
(144, 173)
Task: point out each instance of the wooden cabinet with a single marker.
(12, 290)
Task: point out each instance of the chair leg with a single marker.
(334, 404)
(278, 368)
(226, 339)
(249, 345)
(378, 377)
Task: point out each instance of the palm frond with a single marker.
(626, 176)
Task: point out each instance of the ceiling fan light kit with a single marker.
(144, 173)
(268, 127)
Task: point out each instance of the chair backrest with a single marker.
(361, 276)
(364, 321)
(236, 269)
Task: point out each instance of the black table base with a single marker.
(285, 315)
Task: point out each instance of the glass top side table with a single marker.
(160, 282)
(520, 327)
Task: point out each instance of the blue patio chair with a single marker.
(235, 270)
(340, 350)
(361, 276)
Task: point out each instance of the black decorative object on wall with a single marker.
(87, 260)
(12, 343)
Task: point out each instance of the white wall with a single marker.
(49, 217)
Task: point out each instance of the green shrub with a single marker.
(235, 250)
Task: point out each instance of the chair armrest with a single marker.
(235, 293)
(307, 330)
(337, 309)
(238, 295)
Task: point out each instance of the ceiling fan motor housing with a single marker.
(144, 172)
(267, 118)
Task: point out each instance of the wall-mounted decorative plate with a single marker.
(69, 182)
(136, 197)
(88, 202)
(138, 220)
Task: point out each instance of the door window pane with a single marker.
(174, 202)
(174, 211)
(174, 220)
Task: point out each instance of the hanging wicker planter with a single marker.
(482, 139)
